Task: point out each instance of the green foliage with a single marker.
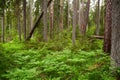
(42, 63)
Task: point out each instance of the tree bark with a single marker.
(45, 20)
(24, 18)
(19, 27)
(68, 2)
(3, 27)
(108, 25)
(98, 19)
(115, 50)
(61, 15)
(86, 16)
(51, 19)
(31, 14)
(74, 22)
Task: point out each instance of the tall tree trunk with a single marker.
(24, 18)
(86, 16)
(74, 22)
(51, 19)
(68, 2)
(98, 19)
(19, 27)
(3, 27)
(61, 14)
(31, 14)
(115, 51)
(45, 20)
(82, 18)
(77, 14)
(108, 25)
(79, 21)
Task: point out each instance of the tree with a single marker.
(24, 18)
(3, 26)
(108, 24)
(98, 19)
(3, 19)
(74, 22)
(84, 12)
(31, 13)
(45, 20)
(61, 14)
(68, 3)
(115, 49)
(51, 19)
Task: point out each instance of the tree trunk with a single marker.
(3, 27)
(98, 19)
(115, 50)
(24, 18)
(108, 25)
(68, 13)
(86, 16)
(31, 14)
(19, 27)
(51, 19)
(45, 20)
(61, 15)
(74, 22)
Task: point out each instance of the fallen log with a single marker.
(37, 22)
(98, 37)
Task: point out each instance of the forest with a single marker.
(59, 40)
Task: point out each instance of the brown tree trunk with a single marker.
(86, 16)
(45, 20)
(61, 15)
(24, 18)
(19, 27)
(3, 27)
(74, 22)
(51, 19)
(31, 14)
(115, 49)
(108, 24)
(68, 2)
(98, 19)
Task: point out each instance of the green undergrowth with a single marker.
(44, 61)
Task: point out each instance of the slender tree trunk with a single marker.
(74, 22)
(115, 49)
(24, 18)
(79, 21)
(108, 25)
(19, 27)
(61, 15)
(98, 19)
(68, 13)
(31, 14)
(82, 18)
(3, 27)
(77, 14)
(51, 19)
(45, 20)
(86, 16)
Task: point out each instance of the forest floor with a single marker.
(33, 61)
